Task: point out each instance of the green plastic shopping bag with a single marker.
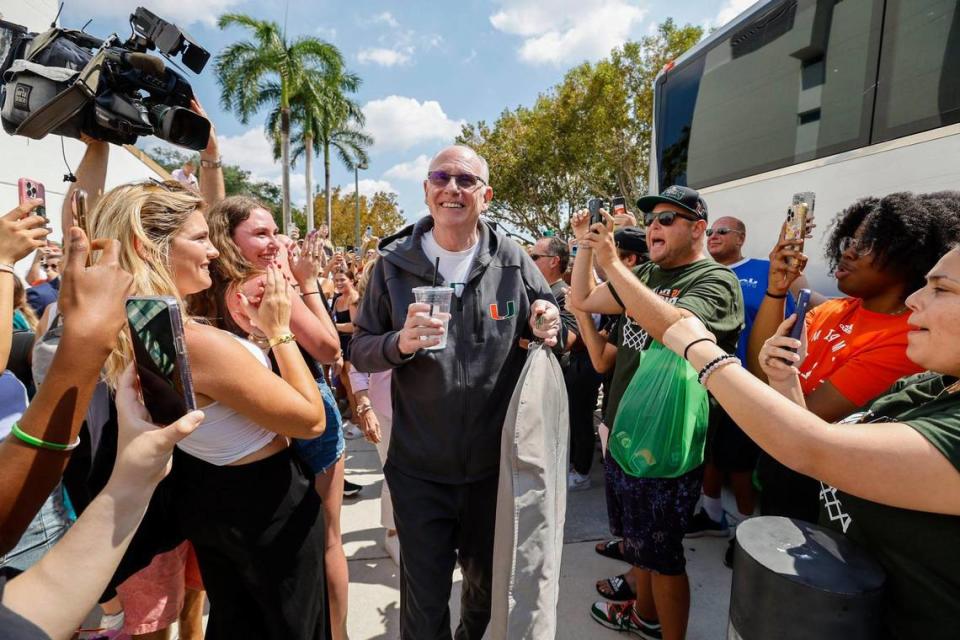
(661, 422)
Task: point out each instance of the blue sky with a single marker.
(427, 67)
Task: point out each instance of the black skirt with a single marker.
(258, 532)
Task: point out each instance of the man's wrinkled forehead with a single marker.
(463, 159)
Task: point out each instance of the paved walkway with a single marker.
(374, 580)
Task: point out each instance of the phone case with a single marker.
(179, 345)
(30, 189)
(797, 216)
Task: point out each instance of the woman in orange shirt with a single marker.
(880, 250)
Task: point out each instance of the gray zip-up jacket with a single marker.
(449, 405)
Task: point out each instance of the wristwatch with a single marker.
(207, 164)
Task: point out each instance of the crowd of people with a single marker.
(681, 341)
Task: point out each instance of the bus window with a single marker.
(793, 82)
(919, 86)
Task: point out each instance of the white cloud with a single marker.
(369, 187)
(252, 151)
(568, 31)
(386, 18)
(327, 33)
(415, 169)
(384, 57)
(398, 122)
(176, 11)
(731, 10)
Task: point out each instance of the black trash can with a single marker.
(793, 580)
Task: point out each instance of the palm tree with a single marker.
(270, 70)
(325, 118)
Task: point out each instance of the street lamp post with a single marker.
(356, 193)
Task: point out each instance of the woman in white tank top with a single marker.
(236, 492)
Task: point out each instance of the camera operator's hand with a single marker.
(92, 299)
(418, 324)
(144, 451)
(272, 315)
(786, 264)
(22, 232)
(600, 240)
(777, 360)
(211, 153)
(545, 321)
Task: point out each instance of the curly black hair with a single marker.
(909, 232)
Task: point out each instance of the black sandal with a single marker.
(620, 590)
(611, 549)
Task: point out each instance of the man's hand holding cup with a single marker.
(419, 325)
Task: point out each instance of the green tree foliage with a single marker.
(380, 212)
(587, 136)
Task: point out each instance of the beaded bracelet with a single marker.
(34, 441)
(715, 364)
(281, 339)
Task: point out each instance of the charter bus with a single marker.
(845, 98)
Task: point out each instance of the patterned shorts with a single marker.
(652, 516)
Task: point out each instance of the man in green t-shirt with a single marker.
(652, 514)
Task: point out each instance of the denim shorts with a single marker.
(322, 452)
(652, 516)
(44, 531)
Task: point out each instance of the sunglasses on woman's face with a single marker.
(721, 231)
(859, 247)
(441, 179)
(666, 218)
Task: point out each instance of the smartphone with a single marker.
(619, 205)
(594, 205)
(803, 304)
(800, 211)
(31, 189)
(79, 199)
(160, 352)
(369, 232)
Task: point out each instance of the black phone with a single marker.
(803, 304)
(594, 205)
(160, 352)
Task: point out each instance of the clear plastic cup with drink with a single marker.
(439, 300)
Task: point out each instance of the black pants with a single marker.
(440, 525)
(583, 385)
(259, 535)
(785, 492)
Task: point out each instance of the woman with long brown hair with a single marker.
(249, 243)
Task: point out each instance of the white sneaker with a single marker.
(351, 431)
(577, 482)
(392, 546)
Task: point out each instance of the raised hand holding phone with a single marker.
(21, 232)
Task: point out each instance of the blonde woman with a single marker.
(236, 491)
